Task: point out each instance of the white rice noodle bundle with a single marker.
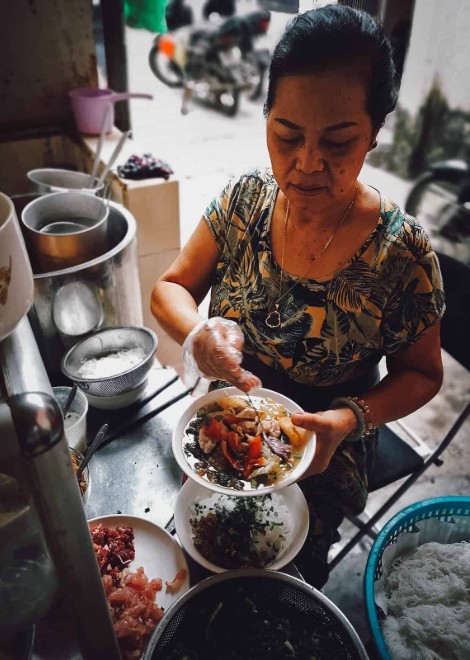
(429, 603)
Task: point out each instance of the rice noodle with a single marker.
(428, 603)
(111, 364)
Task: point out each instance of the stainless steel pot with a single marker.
(51, 179)
(111, 282)
(64, 229)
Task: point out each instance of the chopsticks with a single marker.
(96, 162)
(133, 423)
(170, 526)
(114, 155)
(143, 402)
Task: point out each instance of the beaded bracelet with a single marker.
(362, 413)
(370, 428)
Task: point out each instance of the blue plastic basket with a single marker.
(442, 508)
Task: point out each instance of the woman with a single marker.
(314, 276)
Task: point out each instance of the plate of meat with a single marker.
(144, 571)
(237, 444)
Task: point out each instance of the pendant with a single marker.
(273, 319)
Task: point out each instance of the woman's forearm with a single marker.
(414, 377)
(175, 309)
(401, 394)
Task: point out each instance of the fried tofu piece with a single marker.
(234, 402)
(296, 435)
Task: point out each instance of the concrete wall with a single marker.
(439, 45)
(46, 49)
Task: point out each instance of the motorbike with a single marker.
(440, 198)
(178, 14)
(221, 7)
(214, 63)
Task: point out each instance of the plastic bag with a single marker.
(145, 14)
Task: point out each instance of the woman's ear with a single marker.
(373, 139)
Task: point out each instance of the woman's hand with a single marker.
(215, 346)
(330, 427)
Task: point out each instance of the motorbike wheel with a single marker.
(434, 202)
(167, 71)
(259, 69)
(416, 194)
(258, 91)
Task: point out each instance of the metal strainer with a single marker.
(254, 614)
(102, 343)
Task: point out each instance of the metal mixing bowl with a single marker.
(105, 342)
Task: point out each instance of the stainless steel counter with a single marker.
(136, 474)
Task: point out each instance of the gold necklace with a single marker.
(273, 319)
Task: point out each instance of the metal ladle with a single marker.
(91, 449)
(70, 399)
(77, 310)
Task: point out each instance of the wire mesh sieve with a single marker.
(254, 613)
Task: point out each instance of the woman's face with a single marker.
(318, 134)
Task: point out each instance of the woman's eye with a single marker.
(339, 145)
(288, 138)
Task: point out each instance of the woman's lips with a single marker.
(308, 190)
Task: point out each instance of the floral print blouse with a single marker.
(332, 329)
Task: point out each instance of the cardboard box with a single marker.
(154, 203)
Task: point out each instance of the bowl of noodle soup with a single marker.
(227, 446)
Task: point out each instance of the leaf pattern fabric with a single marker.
(332, 329)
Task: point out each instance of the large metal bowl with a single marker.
(105, 342)
(293, 618)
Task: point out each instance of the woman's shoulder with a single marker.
(403, 231)
(256, 179)
(249, 193)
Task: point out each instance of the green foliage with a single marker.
(437, 132)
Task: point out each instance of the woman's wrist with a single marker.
(361, 411)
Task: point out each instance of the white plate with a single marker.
(178, 449)
(155, 550)
(291, 497)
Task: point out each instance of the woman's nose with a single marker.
(310, 159)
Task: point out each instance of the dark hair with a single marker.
(337, 34)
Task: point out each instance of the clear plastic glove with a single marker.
(213, 350)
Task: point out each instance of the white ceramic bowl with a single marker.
(16, 276)
(178, 437)
(291, 497)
